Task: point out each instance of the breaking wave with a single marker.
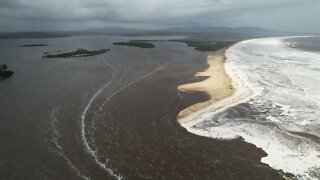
(276, 106)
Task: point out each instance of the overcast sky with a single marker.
(44, 15)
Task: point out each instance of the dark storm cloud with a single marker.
(59, 14)
(10, 4)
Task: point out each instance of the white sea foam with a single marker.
(132, 83)
(58, 147)
(90, 149)
(281, 86)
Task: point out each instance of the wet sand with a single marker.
(217, 85)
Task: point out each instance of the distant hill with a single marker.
(178, 31)
(185, 31)
(216, 31)
(31, 35)
(55, 34)
(115, 31)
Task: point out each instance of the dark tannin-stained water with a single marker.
(111, 116)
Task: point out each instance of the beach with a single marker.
(275, 106)
(217, 85)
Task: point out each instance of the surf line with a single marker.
(92, 152)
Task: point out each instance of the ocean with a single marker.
(277, 103)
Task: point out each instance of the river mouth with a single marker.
(111, 116)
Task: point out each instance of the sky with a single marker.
(52, 15)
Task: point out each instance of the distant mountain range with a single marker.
(217, 31)
(179, 31)
(29, 35)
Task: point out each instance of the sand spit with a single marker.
(218, 85)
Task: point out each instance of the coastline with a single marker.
(217, 85)
(278, 140)
(131, 127)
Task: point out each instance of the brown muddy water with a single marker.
(111, 116)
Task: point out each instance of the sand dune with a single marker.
(218, 85)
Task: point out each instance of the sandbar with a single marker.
(218, 84)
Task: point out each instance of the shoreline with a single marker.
(218, 85)
(276, 139)
(131, 126)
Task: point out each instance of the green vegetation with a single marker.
(147, 40)
(140, 44)
(77, 53)
(4, 73)
(34, 45)
(206, 44)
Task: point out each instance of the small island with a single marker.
(4, 73)
(202, 44)
(139, 44)
(34, 45)
(77, 53)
